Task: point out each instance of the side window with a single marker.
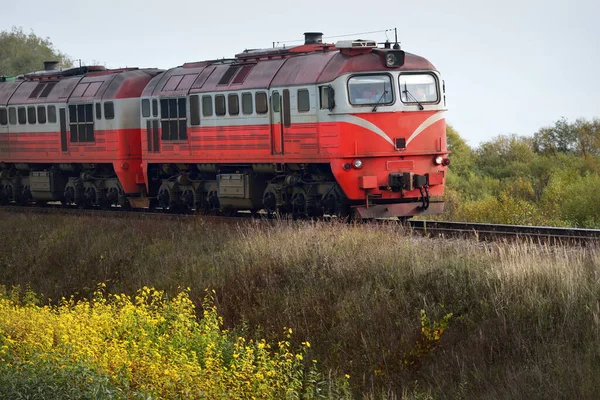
(109, 110)
(3, 116)
(220, 105)
(145, 108)
(233, 103)
(12, 116)
(22, 114)
(81, 122)
(31, 115)
(41, 114)
(303, 100)
(195, 110)
(154, 108)
(261, 102)
(98, 111)
(275, 101)
(207, 108)
(247, 103)
(173, 118)
(52, 114)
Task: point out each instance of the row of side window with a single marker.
(42, 114)
(27, 115)
(220, 106)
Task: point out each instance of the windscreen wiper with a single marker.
(379, 101)
(407, 93)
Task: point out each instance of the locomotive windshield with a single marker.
(418, 88)
(370, 90)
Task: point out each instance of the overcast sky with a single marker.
(510, 67)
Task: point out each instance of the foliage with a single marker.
(21, 53)
(550, 179)
(145, 347)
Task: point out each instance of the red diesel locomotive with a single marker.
(350, 128)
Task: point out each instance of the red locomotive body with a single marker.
(309, 130)
(72, 136)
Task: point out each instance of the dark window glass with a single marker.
(72, 114)
(172, 108)
(80, 113)
(47, 89)
(173, 119)
(233, 103)
(31, 115)
(195, 110)
(52, 114)
(247, 103)
(98, 111)
(226, 78)
(182, 108)
(164, 108)
(12, 116)
(261, 102)
(81, 122)
(182, 129)
(207, 108)
(89, 113)
(220, 105)
(146, 109)
(164, 126)
(37, 90)
(41, 114)
(275, 101)
(154, 108)
(303, 100)
(109, 110)
(3, 116)
(22, 115)
(173, 129)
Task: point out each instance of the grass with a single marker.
(404, 316)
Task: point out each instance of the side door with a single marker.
(276, 123)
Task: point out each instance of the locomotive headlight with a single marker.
(357, 164)
(390, 59)
(438, 160)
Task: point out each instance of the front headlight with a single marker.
(438, 160)
(357, 164)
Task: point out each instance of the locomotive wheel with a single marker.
(90, 196)
(299, 205)
(270, 202)
(9, 192)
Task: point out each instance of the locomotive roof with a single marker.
(69, 86)
(307, 64)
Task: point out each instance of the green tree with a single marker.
(21, 53)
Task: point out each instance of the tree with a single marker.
(21, 53)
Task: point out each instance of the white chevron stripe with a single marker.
(426, 124)
(352, 119)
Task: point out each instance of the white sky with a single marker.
(510, 67)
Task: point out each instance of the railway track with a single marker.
(428, 228)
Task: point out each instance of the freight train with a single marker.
(351, 128)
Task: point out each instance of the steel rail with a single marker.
(424, 227)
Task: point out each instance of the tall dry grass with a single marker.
(524, 317)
